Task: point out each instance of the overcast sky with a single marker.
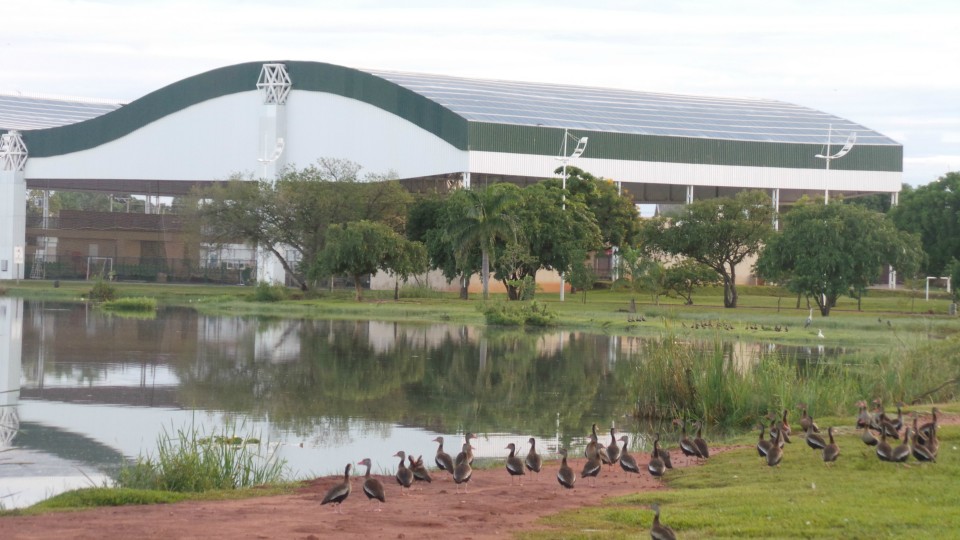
(893, 66)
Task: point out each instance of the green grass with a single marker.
(673, 378)
(736, 495)
(131, 303)
(188, 461)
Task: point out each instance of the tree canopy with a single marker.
(827, 250)
(360, 248)
(719, 233)
(933, 212)
(295, 212)
(614, 212)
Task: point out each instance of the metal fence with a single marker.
(140, 269)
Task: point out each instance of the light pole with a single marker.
(577, 152)
(851, 139)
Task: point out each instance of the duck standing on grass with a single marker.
(659, 531)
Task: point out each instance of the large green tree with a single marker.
(362, 248)
(488, 217)
(429, 220)
(933, 212)
(719, 233)
(828, 250)
(613, 208)
(295, 211)
(551, 233)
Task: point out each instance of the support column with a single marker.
(13, 205)
(466, 180)
(689, 198)
(892, 277)
(274, 85)
(775, 200)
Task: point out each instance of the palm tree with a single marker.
(488, 219)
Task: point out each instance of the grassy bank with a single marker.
(887, 317)
(736, 495)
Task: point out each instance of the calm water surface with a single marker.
(82, 390)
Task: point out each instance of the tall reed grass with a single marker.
(675, 379)
(188, 461)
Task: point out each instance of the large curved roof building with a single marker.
(259, 117)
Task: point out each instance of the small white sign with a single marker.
(17, 254)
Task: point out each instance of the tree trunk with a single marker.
(396, 290)
(358, 287)
(730, 289)
(485, 273)
(464, 287)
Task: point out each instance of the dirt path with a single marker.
(493, 508)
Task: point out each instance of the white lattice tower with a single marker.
(274, 83)
(13, 152)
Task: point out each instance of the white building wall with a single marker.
(220, 137)
(208, 141)
(330, 126)
(690, 174)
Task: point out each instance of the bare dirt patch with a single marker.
(493, 508)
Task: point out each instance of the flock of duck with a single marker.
(410, 470)
(919, 441)
(877, 427)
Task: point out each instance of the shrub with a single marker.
(266, 292)
(102, 291)
(131, 304)
(518, 314)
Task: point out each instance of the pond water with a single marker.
(82, 390)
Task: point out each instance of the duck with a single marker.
(831, 451)
(420, 472)
(927, 427)
(702, 449)
(613, 450)
(565, 476)
(659, 531)
(814, 440)
(339, 493)
(592, 450)
(785, 425)
(466, 454)
(514, 464)
(533, 462)
(372, 487)
(763, 445)
(776, 427)
(863, 417)
(656, 467)
(933, 443)
(806, 420)
(627, 462)
(686, 445)
(462, 470)
(774, 432)
(920, 451)
(901, 452)
(591, 469)
(775, 455)
(663, 454)
(404, 475)
(884, 452)
(443, 460)
(868, 437)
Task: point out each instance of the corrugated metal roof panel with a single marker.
(37, 112)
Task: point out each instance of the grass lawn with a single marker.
(736, 495)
